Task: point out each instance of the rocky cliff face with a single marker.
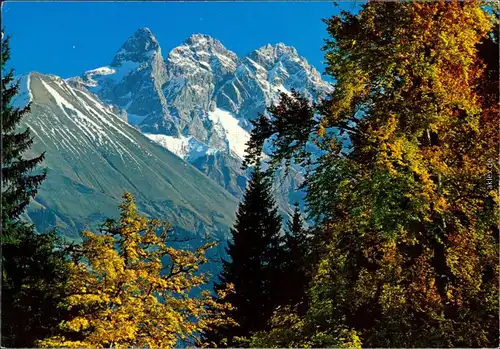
(134, 78)
(185, 94)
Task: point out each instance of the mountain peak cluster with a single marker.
(175, 95)
(196, 102)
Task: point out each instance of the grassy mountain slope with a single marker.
(93, 156)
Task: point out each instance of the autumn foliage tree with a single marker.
(403, 190)
(130, 288)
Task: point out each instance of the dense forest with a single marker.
(398, 246)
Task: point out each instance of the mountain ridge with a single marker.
(93, 156)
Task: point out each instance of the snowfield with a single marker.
(187, 148)
(236, 136)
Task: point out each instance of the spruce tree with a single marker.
(254, 265)
(297, 263)
(34, 283)
(19, 184)
(33, 265)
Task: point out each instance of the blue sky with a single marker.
(67, 38)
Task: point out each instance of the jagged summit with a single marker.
(204, 42)
(199, 37)
(278, 49)
(143, 31)
(138, 47)
(201, 51)
(269, 55)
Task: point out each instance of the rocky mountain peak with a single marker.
(202, 95)
(139, 47)
(268, 55)
(200, 61)
(199, 38)
(203, 48)
(204, 41)
(278, 50)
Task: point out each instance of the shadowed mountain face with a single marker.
(93, 156)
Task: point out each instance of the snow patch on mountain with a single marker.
(91, 129)
(94, 78)
(82, 111)
(101, 71)
(187, 148)
(236, 136)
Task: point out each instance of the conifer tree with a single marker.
(19, 185)
(34, 283)
(254, 267)
(33, 265)
(296, 264)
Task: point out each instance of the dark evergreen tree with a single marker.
(254, 267)
(33, 285)
(19, 183)
(33, 268)
(297, 264)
